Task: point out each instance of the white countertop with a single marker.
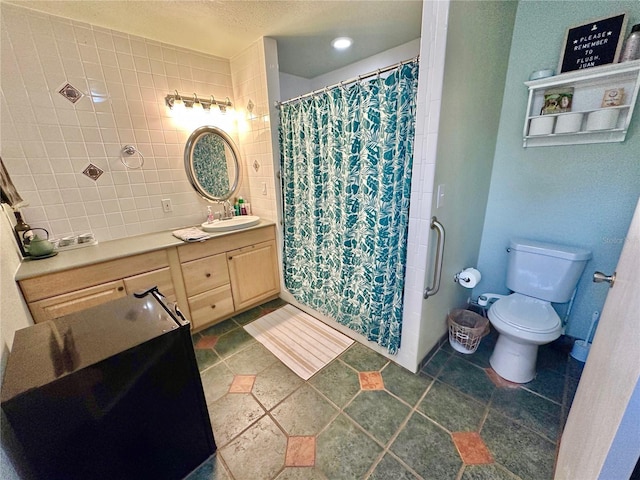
(110, 250)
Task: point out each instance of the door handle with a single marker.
(599, 277)
(437, 271)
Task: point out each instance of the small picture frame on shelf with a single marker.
(595, 43)
(613, 97)
(557, 100)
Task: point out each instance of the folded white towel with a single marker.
(191, 234)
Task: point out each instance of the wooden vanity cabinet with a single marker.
(229, 274)
(57, 294)
(254, 275)
(209, 280)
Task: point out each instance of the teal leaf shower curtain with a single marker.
(346, 176)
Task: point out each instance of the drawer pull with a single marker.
(230, 258)
(120, 289)
(207, 275)
(213, 306)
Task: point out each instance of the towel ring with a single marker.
(130, 150)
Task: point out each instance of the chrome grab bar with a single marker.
(437, 272)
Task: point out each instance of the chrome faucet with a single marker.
(227, 210)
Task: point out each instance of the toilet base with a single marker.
(514, 361)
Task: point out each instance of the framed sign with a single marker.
(595, 43)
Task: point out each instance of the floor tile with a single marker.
(451, 409)
(304, 412)
(232, 342)
(216, 382)
(231, 414)
(251, 361)
(301, 452)
(471, 448)
(436, 363)
(219, 328)
(427, 449)
(521, 451)
(338, 382)
(344, 451)
(207, 341)
(248, 316)
(391, 469)
(206, 358)
(301, 473)
(498, 381)
(370, 381)
(257, 454)
(467, 378)
(272, 305)
(404, 384)
(487, 472)
(274, 383)
(548, 383)
(212, 469)
(378, 413)
(242, 384)
(530, 410)
(363, 359)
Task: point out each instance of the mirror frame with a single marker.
(188, 163)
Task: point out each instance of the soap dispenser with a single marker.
(209, 215)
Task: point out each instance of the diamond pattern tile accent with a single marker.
(472, 448)
(301, 452)
(371, 381)
(242, 384)
(499, 381)
(93, 172)
(71, 93)
(208, 341)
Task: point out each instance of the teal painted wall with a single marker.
(466, 146)
(581, 195)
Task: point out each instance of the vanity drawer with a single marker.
(68, 303)
(158, 278)
(205, 274)
(211, 305)
(225, 243)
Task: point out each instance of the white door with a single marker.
(610, 376)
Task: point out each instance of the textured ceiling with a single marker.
(302, 28)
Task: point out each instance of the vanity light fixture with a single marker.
(176, 100)
(341, 43)
(197, 104)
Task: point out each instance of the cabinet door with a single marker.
(61, 305)
(205, 274)
(211, 305)
(254, 275)
(158, 278)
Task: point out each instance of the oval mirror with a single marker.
(211, 161)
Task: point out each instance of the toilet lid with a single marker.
(526, 313)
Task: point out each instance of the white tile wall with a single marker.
(46, 142)
(248, 72)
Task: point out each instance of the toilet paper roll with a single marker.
(469, 277)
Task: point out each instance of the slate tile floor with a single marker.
(363, 417)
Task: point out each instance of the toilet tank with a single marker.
(544, 270)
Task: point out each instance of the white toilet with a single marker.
(538, 273)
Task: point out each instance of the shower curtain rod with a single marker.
(359, 78)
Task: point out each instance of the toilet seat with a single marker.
(526, 314)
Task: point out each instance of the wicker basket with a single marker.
(466, 329)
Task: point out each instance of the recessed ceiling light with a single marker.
(341, 43)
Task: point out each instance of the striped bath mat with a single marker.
(301, 342)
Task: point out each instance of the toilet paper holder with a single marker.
(467, 278)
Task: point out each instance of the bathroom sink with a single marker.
(235, 223)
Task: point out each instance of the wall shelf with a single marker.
(589, 86)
